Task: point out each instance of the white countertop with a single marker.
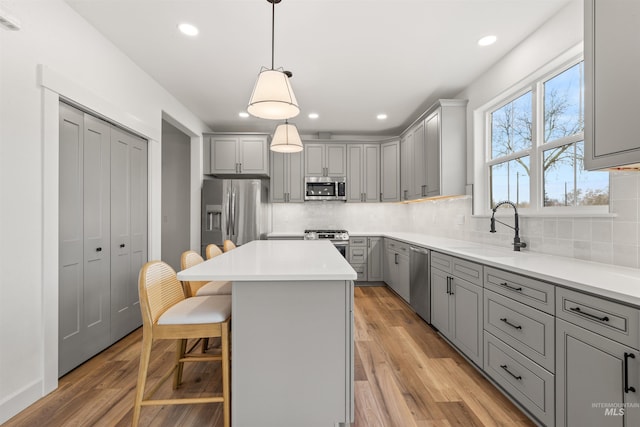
(275, 260)
(611, 281)
(615, 282)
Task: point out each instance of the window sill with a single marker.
(554, 214)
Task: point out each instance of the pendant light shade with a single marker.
(273, 96)
(286, 139)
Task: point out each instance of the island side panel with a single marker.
(292, 353)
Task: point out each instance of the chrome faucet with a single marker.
(517, 244)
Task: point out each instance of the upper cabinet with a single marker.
(321, 159)
(287, 180)
(433, 153)
(611, 61)
(236, 155)
(446, 149)
(363, 172)
(390, 171)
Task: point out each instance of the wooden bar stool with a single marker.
(212, 251)
(167, 314)
(227, 245)
(203, 288)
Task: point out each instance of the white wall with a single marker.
(77, 63)
(607, 239)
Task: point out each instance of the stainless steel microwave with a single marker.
(325, 188)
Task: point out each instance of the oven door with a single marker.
(342, 246)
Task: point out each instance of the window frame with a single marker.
(534, 84)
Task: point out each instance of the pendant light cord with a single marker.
(273, 26)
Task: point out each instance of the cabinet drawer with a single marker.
(611, 319)
(361, 270)
(358, 241)
(466, 270)
(531, 385)
(396, 246)
(529, 331)
(529, 291)
(357, 255)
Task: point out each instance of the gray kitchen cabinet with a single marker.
(358, 256)
(594, 378)
(325, 159)
(374, 259)
(363, 172)
(413, 171)
(103, 234)
(457, 303)
(236, 155)
(406, 167)
(128, 229)
(611, 60)
(397, 267)
(446, 148)
(390, 171)
(287, 177)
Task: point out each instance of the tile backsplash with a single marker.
(610, 239)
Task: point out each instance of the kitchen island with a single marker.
(292, 332)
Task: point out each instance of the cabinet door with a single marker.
(314, 159)
(406, 166)
(296, 177)
(611, 136)
(390, 172)
(336, 159)
(355, 172)
(440, 302)
(224, 155)
(371, 173)
(253, 157)
(418, 160)
(432, 154)
(389, 267)
(279, 177)
(590, 374)
(467, 306)
(403, 277)
(374, 259)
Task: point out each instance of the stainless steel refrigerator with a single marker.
(234, 209)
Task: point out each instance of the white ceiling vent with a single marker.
(8, 21)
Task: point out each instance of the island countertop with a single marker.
(271, 260)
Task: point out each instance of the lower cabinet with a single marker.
(396, 267)
(456, 303)
(597, 379)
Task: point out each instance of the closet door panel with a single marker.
(70, 277)
(138, 224)
(96, 224)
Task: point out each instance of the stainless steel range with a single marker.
(339, 238)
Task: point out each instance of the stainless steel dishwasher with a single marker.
(419, 282)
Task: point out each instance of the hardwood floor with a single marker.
(405, 375)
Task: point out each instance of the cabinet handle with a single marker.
(395, 258)
(511, 324)
(518, 377)
(627, 389)
(381, 197)
(239, 167)
(405, 194)
(448, 284)
(506, 285)
(122, 245)
(451, 285)
(98, 249)
(593, 316)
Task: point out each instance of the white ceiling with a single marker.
(351, 59)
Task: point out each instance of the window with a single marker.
(536, 146)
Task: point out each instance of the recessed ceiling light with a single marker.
(381, 116)
(188, 29)
(487, 40)
(313, 115)
(243, 114)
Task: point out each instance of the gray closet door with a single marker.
(128, 229)
(84, 237)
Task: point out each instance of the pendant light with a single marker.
(272, 96)
(286, 139)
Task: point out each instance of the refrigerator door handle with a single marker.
(228, 211)
(232, 216)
